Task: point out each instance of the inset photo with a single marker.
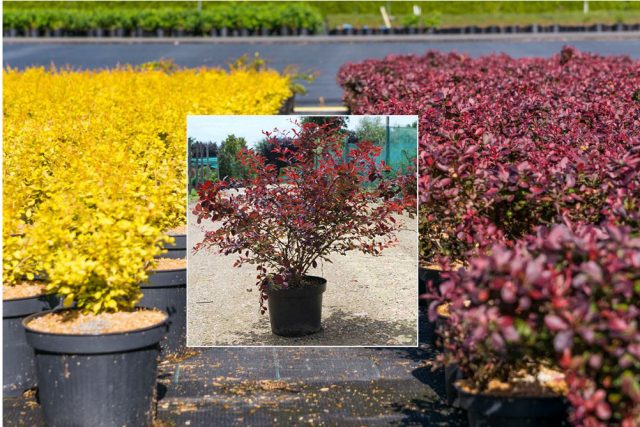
(302, 231)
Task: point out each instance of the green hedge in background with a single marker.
(251, 16)
(183, 15)
(346, 7)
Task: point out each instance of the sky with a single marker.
(217, 128)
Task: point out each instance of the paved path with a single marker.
(325, 57)
(293, 386)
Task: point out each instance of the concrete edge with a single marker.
(391, 38)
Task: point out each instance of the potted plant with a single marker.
(10, 23)
(595, 319)
(499, 335)
(23, 294)
(565, 298)
(96, 358)
(211, 21)
(58, 22)
(176, 246)
(286, 223)
(166, 289)
(24, 289)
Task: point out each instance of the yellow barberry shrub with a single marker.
(95, 169)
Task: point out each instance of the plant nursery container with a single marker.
(166, 290)
(485, 410)
(426, 274)
(18, 361)
(288, 105)
(452, 373)
(97, 380)
(297, 312)
(178, 249)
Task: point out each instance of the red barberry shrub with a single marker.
(509, 144)
(567, 293)
(320, 203)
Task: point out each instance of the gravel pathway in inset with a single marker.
(369, 300)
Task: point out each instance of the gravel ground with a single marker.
(370, 301)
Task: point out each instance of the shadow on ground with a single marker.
(341, 328)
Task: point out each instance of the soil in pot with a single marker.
(297, 311)
(526, 400)
(97, 369)
(166, 290)
(18, 360)
(168, 264)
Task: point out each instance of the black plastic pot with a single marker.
(502, 411)
(18, 362)
(167, 291)
(97, 380)
(298, 311)
(424, 276)
(452, 373)
(178, 249)
(288, 106)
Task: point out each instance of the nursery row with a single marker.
(510, 149)
(94, 179)
(434, 13)
(223, 18)
(570, 152)
(560, 306)
(131, 116)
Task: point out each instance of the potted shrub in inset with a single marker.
(96, 358)
(286, 220)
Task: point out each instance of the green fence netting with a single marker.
(400, 150)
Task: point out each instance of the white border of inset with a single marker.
(417, 301)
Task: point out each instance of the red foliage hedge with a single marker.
(511, 148)
(567, 293)
(509, 144)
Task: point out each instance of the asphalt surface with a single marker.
(317, 56)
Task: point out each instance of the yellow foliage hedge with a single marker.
(95, 169)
